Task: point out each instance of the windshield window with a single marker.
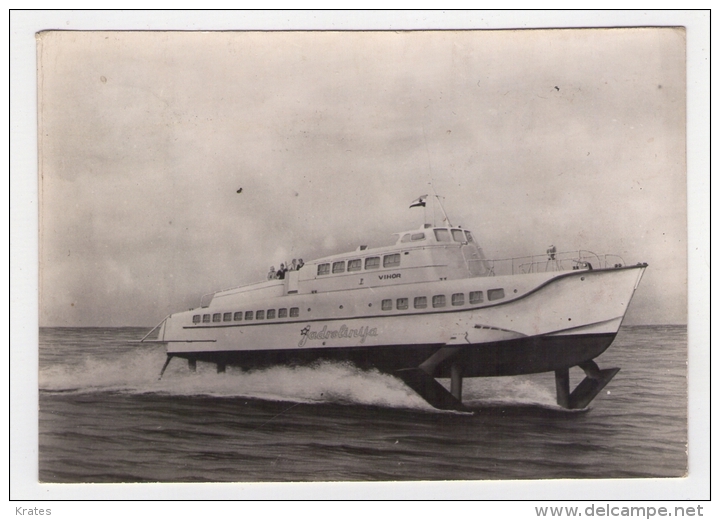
(442, 235)
(458, 235)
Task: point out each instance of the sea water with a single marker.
(104, 416)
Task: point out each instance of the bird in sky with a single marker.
(240, 190)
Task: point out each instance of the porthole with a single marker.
(496, 294)
(476, 297)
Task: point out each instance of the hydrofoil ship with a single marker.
(429, 306)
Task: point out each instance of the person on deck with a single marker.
(281, 272)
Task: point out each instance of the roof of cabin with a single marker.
(414, 237)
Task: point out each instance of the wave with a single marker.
(137, 372)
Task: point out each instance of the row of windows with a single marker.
(371, 262)
(420, 302)
(458, 235)
(249, 315)
(439, 300)
(441, 235)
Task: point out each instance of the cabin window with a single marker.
(387, 305)
(469, 237)
(206, 318)
(442, 235)
(227, 316)
(196, 318)
(260, 315)
(248, 315)
(458, 299)
(496, 294)
(418, 236)
(294, 312)
(372, 262)
(458, 235)
(391, 260)
(476, 297)
(238, 316)
(420, 302)
(406, 237)
(323, 269)
(338, 267)
(401, 304)
(217, 317)
(354, 265)
(282, 313)
(271, 314)
(439, 300)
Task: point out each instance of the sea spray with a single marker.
(96, 361)
(137, 372)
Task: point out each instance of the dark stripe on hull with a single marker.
(505, 358)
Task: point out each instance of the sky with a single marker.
(534, 137)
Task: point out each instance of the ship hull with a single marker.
(502, 358)
(546, 322)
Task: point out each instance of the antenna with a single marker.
(437, 197)
(447, 219)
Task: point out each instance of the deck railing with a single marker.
(563, 261)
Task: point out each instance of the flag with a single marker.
(420, 201)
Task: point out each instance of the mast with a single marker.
(437, 197)
(420, 201)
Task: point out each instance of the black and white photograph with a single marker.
(362, 256)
